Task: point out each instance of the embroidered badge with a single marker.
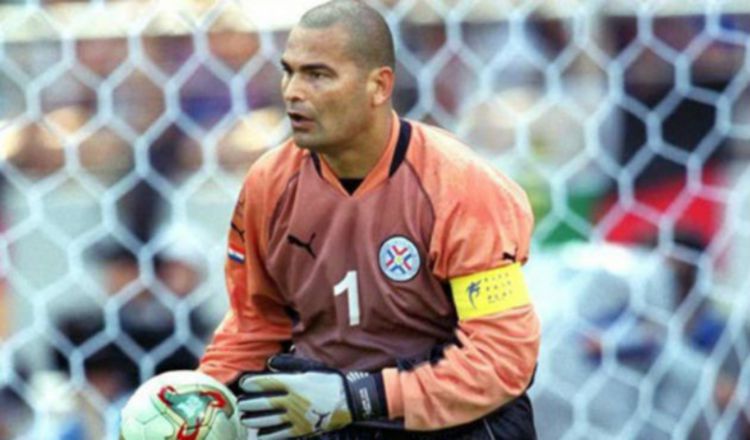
(399, 258)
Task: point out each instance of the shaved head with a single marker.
(370, 40)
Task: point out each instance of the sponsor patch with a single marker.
(399, 258)
(489, 292)
(236, 254)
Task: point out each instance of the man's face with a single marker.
(323, 88)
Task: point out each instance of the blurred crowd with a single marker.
(617, 140)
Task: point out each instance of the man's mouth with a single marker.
(299, 120)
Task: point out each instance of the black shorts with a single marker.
(513, 421)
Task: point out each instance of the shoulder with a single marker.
(483, 218)
(276, 164)
(264, 184)
(271, 173)
(453, 174)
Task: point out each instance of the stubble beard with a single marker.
(306, 141)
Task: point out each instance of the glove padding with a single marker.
(299, 398)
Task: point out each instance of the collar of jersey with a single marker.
(389, 162)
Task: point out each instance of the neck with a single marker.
(363, 152)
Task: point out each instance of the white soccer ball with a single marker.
(180, 405)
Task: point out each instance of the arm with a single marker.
(494, 361)
(256, 325)
(493, 365)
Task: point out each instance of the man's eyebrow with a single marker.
(315, 66)
(307, 67)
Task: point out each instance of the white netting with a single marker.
(126, 127)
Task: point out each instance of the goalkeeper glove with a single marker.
(298, 398)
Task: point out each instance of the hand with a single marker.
(299, 398)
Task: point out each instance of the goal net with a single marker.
(126, 128)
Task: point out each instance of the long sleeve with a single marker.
(256, 324)
(493, 365)
(480, 240)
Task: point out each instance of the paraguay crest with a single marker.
(193, 409)
(399, 258)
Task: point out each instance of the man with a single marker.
(385, 252)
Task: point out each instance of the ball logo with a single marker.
(399, 258)
(193, 409)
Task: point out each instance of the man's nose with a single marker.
(292, 89)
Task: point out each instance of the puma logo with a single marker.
(512, 257)
(294, 241)
(239, 231)
(321, 419)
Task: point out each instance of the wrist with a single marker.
(366, 394)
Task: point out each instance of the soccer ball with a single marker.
(181, 405)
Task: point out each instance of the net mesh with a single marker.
(126, 128)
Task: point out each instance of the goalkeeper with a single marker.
(384, 252)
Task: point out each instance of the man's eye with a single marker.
(316, 75)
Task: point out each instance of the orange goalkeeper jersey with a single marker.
(414, 258)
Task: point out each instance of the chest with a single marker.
(361, 261)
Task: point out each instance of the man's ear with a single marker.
(380, 84)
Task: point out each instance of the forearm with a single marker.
(493, 365)
(234, 350)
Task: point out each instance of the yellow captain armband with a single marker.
(489, 292)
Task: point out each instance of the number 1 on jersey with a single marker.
(349, 285)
